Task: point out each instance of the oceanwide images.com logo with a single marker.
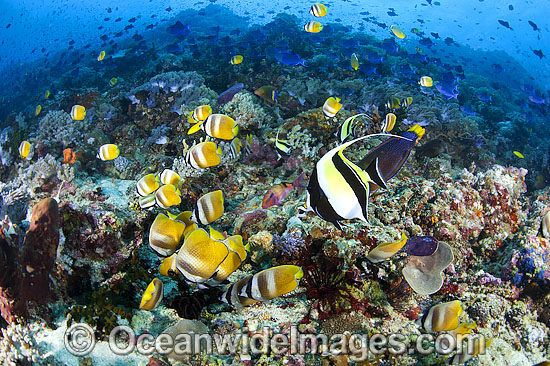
(80, 341)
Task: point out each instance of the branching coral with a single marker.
(58, 126)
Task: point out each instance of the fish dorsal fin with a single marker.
(374, 173)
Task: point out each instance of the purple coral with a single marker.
(530, 264)
(288, 244)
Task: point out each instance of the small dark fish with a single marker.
(109, 10)
(435, 35)
(505, 24)
(119, 34)
(137, 37)
(533, 25)
(129, 26)
(392, 13)
(9, 25)
(106, 19)
(539, 53)
(179, 30)
(286, 7)
(104, 37)
(426, 42)
(118, 19)
(71, 42)
(510, 7)
(150, 26)
(131, 20)
(169, 9)
(100, 27)
(449, 41)
(421, 21)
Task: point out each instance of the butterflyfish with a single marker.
(168, 176)
(397, 32)
(199, 256)
(165, 235)
(78, 112)
(208, 208)
(331, 107)
(272, 282)
(24, 149)
(442, 317)
(237, 59)
(167, 196)
(152, 296)
(200, 114)
(318, 10)
(101, 56)
(147, 184)
(354, 61)
(204, 155)
(313, 27)
(108, 152)
(389, 122)
(219, 126)
(426, 81)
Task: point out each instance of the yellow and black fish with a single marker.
(219, 126)
(203, 155)
(282, 146)
(208, 208)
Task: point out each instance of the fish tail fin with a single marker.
(194, 128)
(190, 118)
(374, 173)
(418, 130)
(235, 130)
(219, 150)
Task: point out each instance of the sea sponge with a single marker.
(423, 274)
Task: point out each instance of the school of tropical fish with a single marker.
(210, 175)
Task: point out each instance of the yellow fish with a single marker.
(237, 59)
(313, 27)
(168, 176)
(37, 110)
(389, 122)
(393, 103)
(518, 154)
(200, 114)
(165, 235)
(443, 317)
(397, 32)
(407, 101)
(318, 10)
(272, 282)
(208, 208)
(101, 56)
(168, 265)
(385, 250)
(354, 61)
(200, 256)
(113, 81)
(78, 112)
(219, 126)
(47, 94)
(426, 81)
(167, 196)
(108, 152)
(152, 296)
(204, 155)
(24, 149)
(147, 185)
(331, 107)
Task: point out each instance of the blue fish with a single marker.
(367, 68)
(484, 97)
(467, 110)
(374, 58)
(417, 57)
(289, 58)
(448, 90)
(427, 42)
(179, 30)
(536, 98)
(390, 45)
